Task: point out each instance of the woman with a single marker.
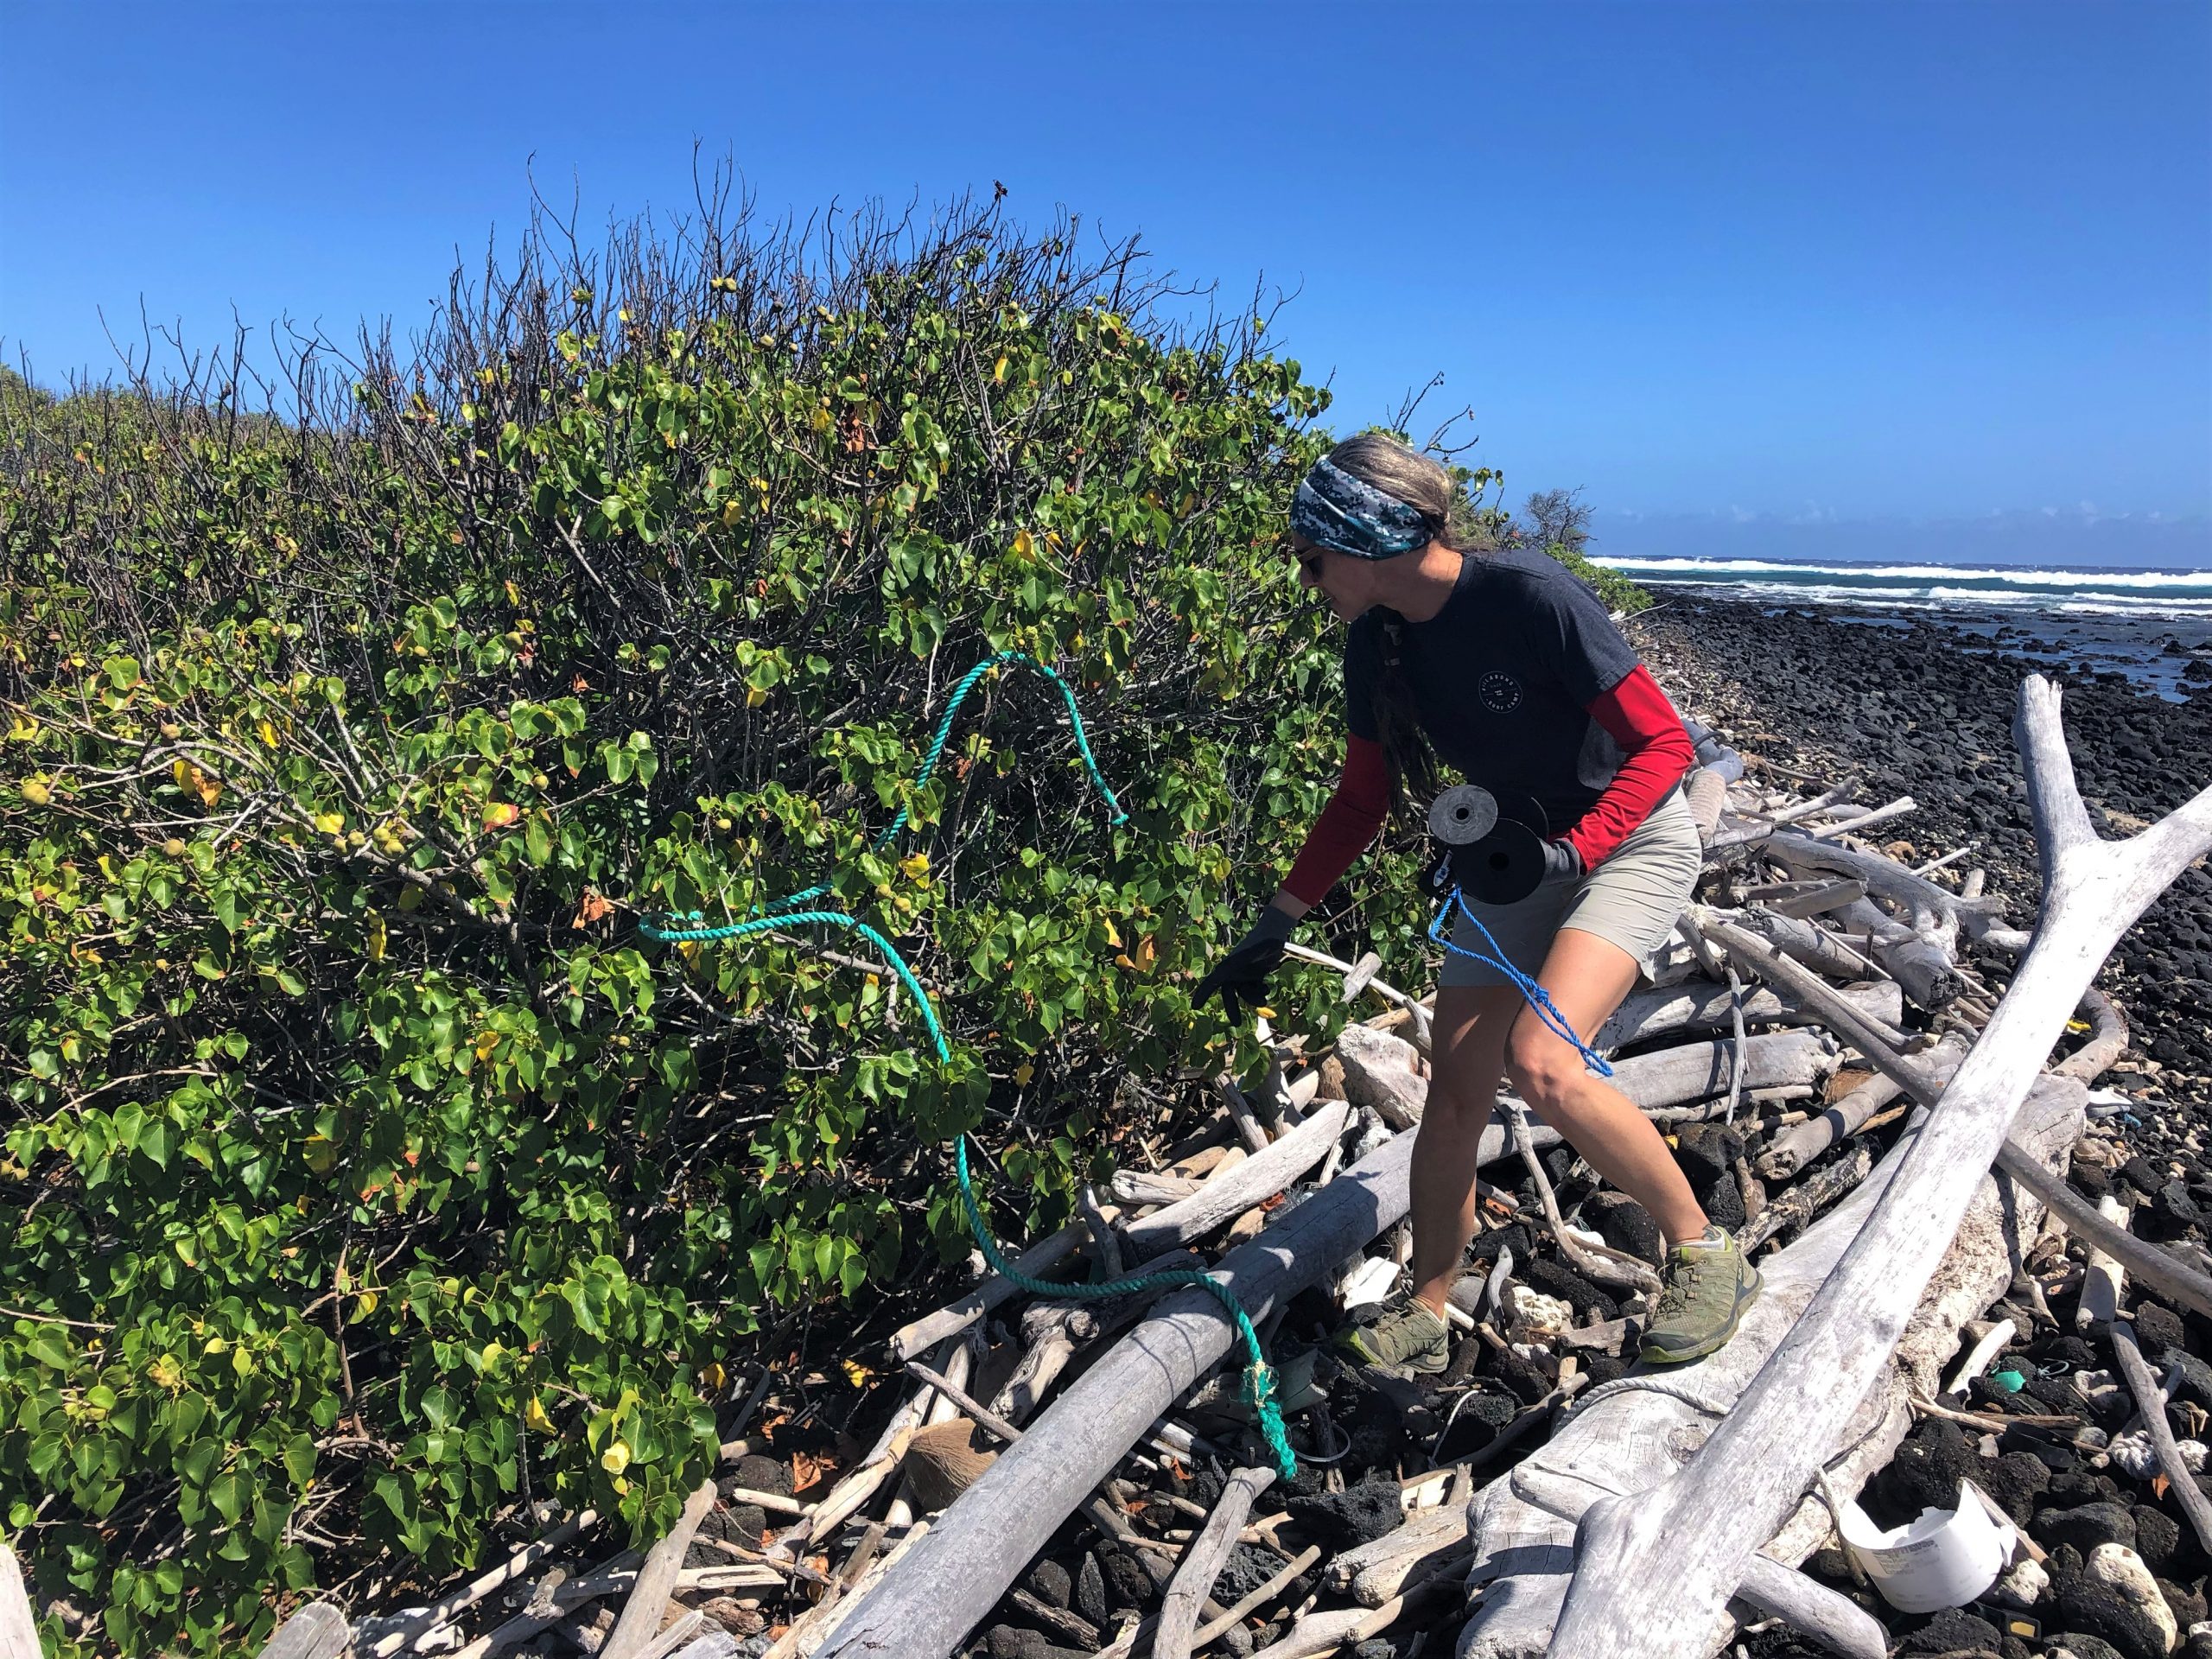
(1506, 668)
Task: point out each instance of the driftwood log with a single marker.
(949, 1580)
(1656, 1568)
(1792, 1151)
(1226, 1195)
(1700, 1005)
(318, 1630)
(1671, 1077)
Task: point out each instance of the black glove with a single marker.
(1562, 863)
(1240, 979)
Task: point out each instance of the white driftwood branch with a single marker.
(2151, 1400)
(1701, 1005)
(408, 1632)
(318, 1630)
(1202, 1564)
(640, 1621)
(1233, 1188)
(1041, 1257)
(1655, 1568)
(982, 1542)
(2146, 1260)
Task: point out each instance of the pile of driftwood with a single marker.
(1845, 1088)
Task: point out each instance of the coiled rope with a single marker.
(1258, 1387)
(1531, 992)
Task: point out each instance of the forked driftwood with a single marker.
(980, 1545)
(1655, 1568)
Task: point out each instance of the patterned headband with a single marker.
(1348, 515)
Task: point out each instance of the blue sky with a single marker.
(1820, 262)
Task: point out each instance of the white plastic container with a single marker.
(1946, 1558)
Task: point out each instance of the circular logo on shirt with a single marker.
(1498, 692)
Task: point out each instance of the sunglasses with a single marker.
(1309, 559)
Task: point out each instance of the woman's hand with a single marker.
(1561, 862)
(1240, 979)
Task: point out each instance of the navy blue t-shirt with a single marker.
(1501, 679)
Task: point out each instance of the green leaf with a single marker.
(299, 1461)
(230, 1494)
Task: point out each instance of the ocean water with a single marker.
(2146, 624)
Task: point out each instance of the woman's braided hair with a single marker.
(1398, 470)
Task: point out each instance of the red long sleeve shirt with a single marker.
(1655, 753)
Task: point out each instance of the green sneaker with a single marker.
(1400, 1333)
(1708, 1286)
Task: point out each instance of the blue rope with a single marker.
(1258, 1387)
(1531, 992)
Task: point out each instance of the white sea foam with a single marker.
(2150, 597)
(1978, 579)
(2115, 617)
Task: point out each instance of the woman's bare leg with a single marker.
(1588, 977)
(1469, 1028)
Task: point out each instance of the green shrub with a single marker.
(374, 1176)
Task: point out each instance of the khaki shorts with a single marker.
(1632, 900)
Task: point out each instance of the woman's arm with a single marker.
(1657, 751)
(1342, 831)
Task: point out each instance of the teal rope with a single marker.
(1258, 1387)
(1259, 1383)
(936, 752)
